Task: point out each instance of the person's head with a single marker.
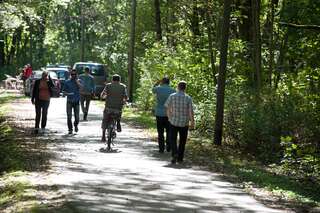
(165, 80)
(45, 75)
(73, 74)
(116, 78)
(182, 85)
(87, 70)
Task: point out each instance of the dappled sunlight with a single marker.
(135, 178)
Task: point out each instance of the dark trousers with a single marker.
(41, 112)
(163, 125)
(85, 103)
(75, 107)
(178, 151)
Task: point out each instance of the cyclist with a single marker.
(115, 94)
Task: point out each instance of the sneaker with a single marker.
(76, 129)
(36, 131)
(70, 132)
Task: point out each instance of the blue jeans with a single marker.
(75, 107)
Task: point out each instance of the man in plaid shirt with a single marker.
(180, 112)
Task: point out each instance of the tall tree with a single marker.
(222, 72)
(210, 39)
(158, 20)
(131, 49)
(256, 43)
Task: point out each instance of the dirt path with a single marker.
(133, 179)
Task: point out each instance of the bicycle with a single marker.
(112, 117)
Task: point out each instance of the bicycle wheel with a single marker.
(110, 130)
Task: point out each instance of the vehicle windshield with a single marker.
(37, 74)
(62, 75)
(53, 75)
(97, 70)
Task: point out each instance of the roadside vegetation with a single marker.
(243, 169)
(20, 153)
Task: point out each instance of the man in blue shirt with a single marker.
(162, 92)
(86, 92)
(72, 90)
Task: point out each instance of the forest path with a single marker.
(134, 178)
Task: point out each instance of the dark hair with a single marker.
(182, 85)
(166, 80)
(116, 77)
(87, 69)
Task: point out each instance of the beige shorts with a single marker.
(108, 115)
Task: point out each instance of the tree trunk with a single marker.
(256, 44)
(271, 42)
(82, 58)
(245, 24)
(210, 40)
(222, 72)
(2, 56)
(158, 20)
(131, 50)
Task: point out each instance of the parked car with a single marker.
(37, 74)
(98, 72)
(62, 73)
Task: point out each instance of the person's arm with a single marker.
(34, 88)
(93, 86)
(154, 88)
(125, 95)
(104, 93)
(191, 115)
(168, 107)
(50, 82)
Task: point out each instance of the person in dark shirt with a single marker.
(72, 91)
(41, 93)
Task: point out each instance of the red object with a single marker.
(27, 72)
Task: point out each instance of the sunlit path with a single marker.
(135, 178)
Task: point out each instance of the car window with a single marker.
(53, 75)
(37, 74)
(62, 75)
(96, 70)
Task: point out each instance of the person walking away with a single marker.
(162, 93)
(180, 113)
(41, 93)
(115, 94)
(72, 91)
(86, 92)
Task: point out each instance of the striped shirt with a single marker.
(180, 105)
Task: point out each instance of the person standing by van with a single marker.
(86, 91)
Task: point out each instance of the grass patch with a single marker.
(18, 150)
(243, 169)
(13, 192)
(139, 118)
